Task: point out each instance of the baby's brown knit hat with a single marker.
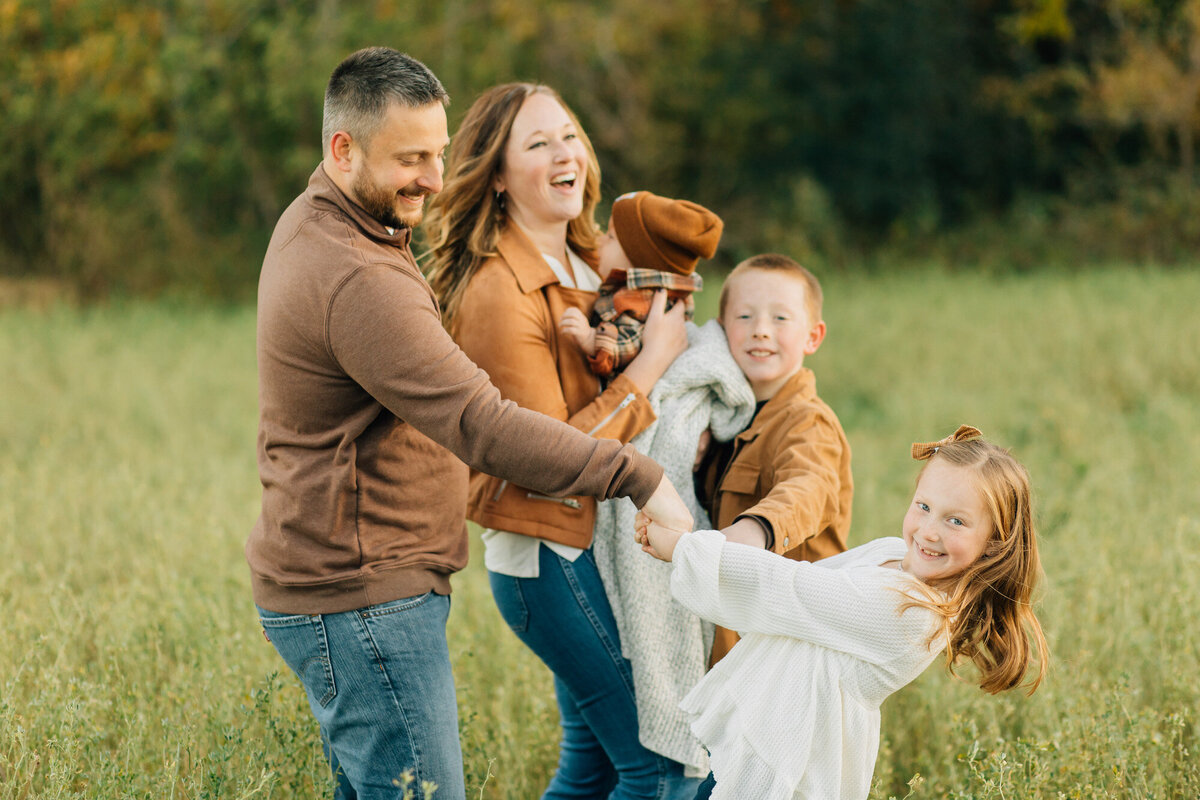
(664, 234)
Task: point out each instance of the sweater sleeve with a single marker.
(754, 591)
(383, 330)
(804, 499)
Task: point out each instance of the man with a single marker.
(366, 408)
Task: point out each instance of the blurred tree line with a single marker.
(153, 145)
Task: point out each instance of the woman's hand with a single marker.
(664, 337)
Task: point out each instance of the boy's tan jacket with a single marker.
(508, 325)
(791, 467)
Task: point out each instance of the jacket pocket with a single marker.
(739, 479)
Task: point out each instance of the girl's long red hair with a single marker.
(988, 611)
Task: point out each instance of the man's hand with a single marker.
(662, 521)
(667, 509)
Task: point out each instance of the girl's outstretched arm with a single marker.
(754, 591)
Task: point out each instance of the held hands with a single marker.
(655, 539)
(663, 519)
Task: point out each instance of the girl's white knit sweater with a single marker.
(793, 711)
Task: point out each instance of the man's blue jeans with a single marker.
(564, 617)
(378, 681)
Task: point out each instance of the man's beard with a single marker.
(381, 203)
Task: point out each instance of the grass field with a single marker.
(132, 666)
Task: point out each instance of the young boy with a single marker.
(652, 243)
(784, 483)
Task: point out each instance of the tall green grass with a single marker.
(132, 666)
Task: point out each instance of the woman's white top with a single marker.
(792, 711)
(516, 554)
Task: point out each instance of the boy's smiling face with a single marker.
(766, 322)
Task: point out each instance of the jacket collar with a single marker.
(324, 193)
(527, 263)
(801, 387)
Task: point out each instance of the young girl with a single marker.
(793, 711)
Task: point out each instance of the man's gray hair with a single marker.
(364, 86)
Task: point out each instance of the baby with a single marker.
(652, 243)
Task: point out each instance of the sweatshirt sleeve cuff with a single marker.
(644, 479)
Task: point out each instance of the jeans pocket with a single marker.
(510, 600)
(395, 606)
(301, 641)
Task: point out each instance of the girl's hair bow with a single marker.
(923, 451)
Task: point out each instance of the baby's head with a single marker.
(651, 232)
(969, 531)
(770, 308)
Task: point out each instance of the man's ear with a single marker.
(815, 337)
(342, 152)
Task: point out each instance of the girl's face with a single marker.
(545, 165)
(947, 526)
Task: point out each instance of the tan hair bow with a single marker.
(923, 451)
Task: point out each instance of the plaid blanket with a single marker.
(621, 309)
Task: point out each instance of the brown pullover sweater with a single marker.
(366, 407)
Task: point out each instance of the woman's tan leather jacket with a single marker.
(507, 323)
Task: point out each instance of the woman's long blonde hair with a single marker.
(988, 612)
(466, 219)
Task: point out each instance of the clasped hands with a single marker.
(662, 521)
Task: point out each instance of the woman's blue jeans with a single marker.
(564, 617)
(378, 681)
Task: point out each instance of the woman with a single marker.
(513, 244)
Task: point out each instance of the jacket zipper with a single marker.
(569, 502)
(629, 398)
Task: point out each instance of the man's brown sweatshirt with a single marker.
(366, 407)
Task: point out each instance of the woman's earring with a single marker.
(500, 201)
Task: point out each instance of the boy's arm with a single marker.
(754, 531)
(806, 496)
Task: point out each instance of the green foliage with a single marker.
(151, 147)
(133, 665)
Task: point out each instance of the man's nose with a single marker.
(431, 177)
